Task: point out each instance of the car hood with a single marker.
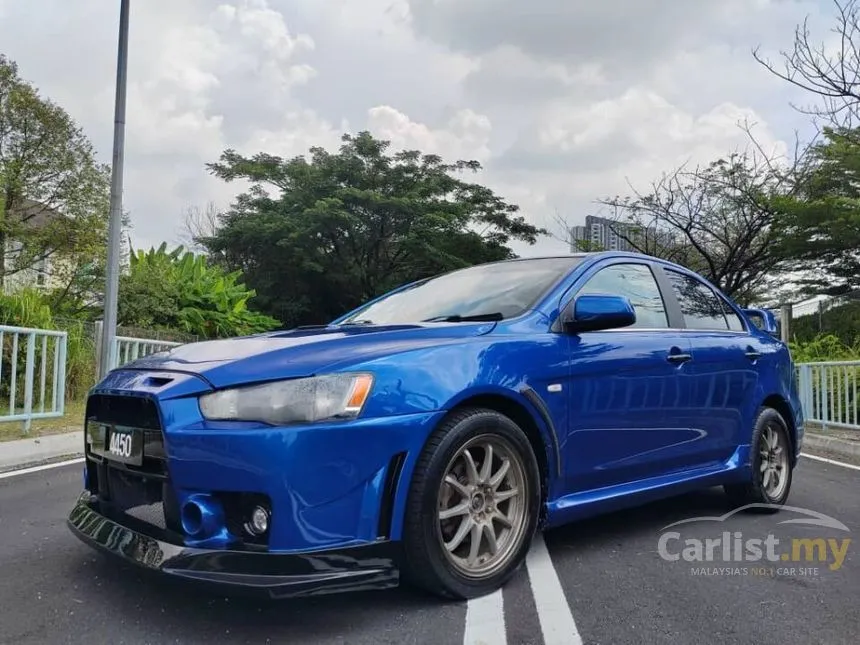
(302, 351)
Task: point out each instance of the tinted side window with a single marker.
(735, 322)
(637, 284)
(701, 307)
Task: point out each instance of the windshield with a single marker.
(485, 292)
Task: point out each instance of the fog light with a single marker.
(259, 522)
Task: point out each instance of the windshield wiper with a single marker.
(496, 315)
(356, 322)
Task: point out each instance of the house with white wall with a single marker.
(45, 272)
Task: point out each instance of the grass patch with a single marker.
(71, 421)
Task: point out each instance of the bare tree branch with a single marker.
(832, 75)
(714, 219)
(198, 225)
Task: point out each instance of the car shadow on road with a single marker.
(185, 610)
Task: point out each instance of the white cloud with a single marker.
(466, 135)
(202, 77)
(648, 136)
(255, 40)
(618, 35)
(646, 125)
(295, 134)
(561, 105)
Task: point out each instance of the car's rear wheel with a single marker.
(771, 465)
(473, 505)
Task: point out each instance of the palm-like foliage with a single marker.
(177, 289)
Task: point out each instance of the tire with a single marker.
(769, 426)
(448, 572)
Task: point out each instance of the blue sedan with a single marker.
(428, 434)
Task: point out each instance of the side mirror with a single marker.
(596, 312)
(764, 320)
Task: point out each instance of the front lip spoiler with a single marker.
(276, 575)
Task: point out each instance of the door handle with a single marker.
(679, 358)
(752, 354)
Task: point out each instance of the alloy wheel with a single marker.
(774, 461)
(482, 506)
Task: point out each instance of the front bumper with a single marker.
(276, 575)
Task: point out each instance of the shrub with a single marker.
(28, 308)
(824, 347)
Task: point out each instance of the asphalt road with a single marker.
(601, 581)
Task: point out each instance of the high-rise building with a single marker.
(602, 234)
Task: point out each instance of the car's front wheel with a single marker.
(771, 465)
(473, 505)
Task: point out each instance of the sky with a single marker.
(562, 101)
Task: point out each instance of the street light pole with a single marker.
(115, 225)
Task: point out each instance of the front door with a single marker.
(629, 389)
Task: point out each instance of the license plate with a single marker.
(125, 445)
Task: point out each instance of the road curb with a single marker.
(831, 444)
(59, 459)
(25, 453)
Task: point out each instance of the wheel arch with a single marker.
(781, 405)
(525, 408)
(421, 557)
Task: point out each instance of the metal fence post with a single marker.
(34, 374)
(28, 380)
(127, 349)
(34, 394)
(825, 397)
(61, 377)
(805, 388)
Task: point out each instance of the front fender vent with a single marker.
(389, 493)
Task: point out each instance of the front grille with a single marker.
(135, 411)
(142, 492)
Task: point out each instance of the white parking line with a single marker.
(35, 469)
(556, 619)
(830, 461)
(485, 620)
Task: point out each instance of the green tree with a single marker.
(586, 246)
(54, 196)
(819, 225)
(181, 291)
(344, 227)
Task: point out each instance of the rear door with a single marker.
(724, 369)
(628, 391)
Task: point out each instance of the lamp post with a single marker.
(115, 226)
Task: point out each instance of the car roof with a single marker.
(601, 255)
(584, 254)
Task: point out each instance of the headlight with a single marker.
(333, 396)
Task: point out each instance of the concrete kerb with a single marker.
(833, 445)
(24, 453)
